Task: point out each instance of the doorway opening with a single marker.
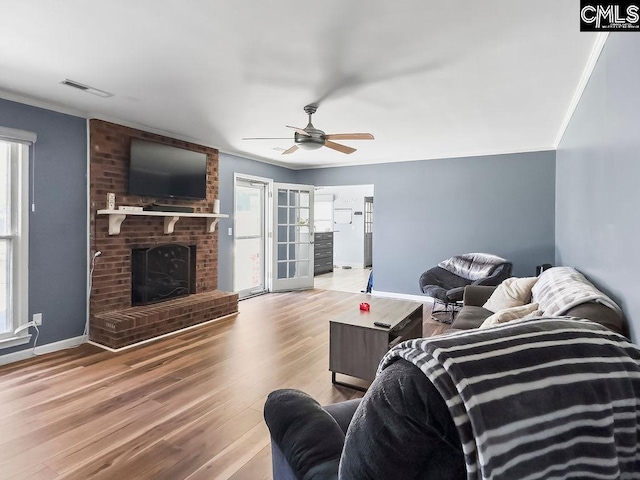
(251, 214)
(344, 237)
(273, 236)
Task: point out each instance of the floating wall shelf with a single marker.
(116, 217)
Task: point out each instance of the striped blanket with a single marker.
(538, 399)
(559, 289)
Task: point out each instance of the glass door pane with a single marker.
(249, 275)
(249, 211)
(368, 232)
(249, 258)
(293, 257)
(294, 220)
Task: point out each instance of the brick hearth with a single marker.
(131, 325)
(111, 292)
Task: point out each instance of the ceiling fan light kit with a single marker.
(311, 138)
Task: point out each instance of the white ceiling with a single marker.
(430, 79)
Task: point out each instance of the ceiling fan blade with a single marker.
(350, 136)
(299, 130)
(266, 138)
(339, 147)
(291, 150)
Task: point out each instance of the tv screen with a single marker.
(158, 170)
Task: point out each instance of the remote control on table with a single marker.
(381, 324)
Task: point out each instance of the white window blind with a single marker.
(17, 136)
(14, 233)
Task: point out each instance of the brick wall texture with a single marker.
(109, 167)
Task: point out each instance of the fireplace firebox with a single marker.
(162, 272)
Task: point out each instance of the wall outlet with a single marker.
(37, 319)
(230, 231)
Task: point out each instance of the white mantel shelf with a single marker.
(116, 217)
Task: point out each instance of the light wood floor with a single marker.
(353, 280)
(186, 407)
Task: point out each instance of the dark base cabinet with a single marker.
(323, 253)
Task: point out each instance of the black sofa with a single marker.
(308, 441)
(403, 428)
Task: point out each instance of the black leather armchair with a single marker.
(445, 283)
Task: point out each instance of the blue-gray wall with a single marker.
(598, 173)
(58, 227)
(427, 211)
(227, 166)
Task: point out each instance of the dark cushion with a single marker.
(308, 437)
(599, 313)
(402, 430)
(477, 295)
(470, 317)
(442, 278)
(343, 412)
(455, 294)
(435, 291)
(281, 468)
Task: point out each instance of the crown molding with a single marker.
(601, 39)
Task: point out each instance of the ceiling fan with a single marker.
(311, 138)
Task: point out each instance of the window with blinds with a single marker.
(14, 200)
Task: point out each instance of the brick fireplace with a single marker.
(114, 320)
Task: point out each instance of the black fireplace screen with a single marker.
(162, 273)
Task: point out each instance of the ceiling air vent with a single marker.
(86, 88)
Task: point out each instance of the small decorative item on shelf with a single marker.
(129, 208)
(216, 206)
(111, 201)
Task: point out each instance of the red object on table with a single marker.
(365, 306)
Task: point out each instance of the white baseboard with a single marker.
(48, 348)
(402, 296)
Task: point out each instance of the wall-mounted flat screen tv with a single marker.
(158, 170)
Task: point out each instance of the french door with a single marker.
(368, 232)
(250, 237)
(293, 237)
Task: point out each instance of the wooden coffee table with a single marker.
(356, 345)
